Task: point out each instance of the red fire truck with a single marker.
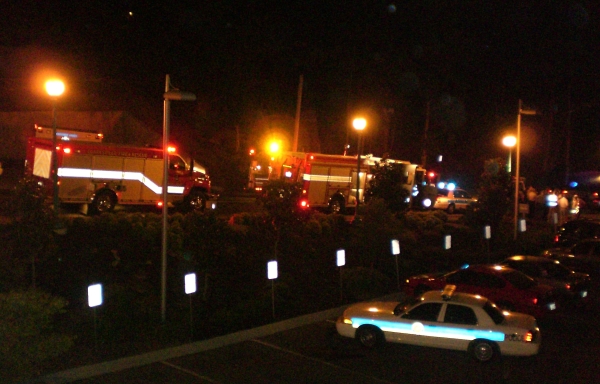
(101, 175)
(329, 181)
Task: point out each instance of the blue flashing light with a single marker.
(573, 184)
(451, 186)
(464, 266)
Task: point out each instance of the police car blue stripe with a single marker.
(418, 328)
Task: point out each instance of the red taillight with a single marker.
(67, 150)
(535, 300)
(556, 238)
(159, 203)
(304, 203)
(528, 336)
(568, 286)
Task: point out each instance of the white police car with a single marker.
(444, 319)
(452, 200)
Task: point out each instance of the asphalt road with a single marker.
(312, 352)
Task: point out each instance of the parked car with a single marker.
(448, 320)
(453, 200)
(573, 231)
(507, 287)
(584, 256)
(573, 287)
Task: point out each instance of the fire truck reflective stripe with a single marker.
(421, 329)
(117, 175)
(334, 179)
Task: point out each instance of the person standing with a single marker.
(563, 209)
(552, 207)
(531, 198)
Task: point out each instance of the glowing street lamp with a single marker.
(509, 141)
(54, 88)
(274, 149)
(359, 125)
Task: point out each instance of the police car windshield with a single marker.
(405, 305)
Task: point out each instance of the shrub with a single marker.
(28, 339)
(364, 283)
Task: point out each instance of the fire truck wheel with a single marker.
(196, 201)
(104, 201)
(336, 205)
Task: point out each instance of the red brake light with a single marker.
(67, 150)
(304, 203)
(535, 300)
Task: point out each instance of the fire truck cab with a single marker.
(101, 175)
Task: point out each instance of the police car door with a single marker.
(419, 325)
(459, 327)
(461, 199)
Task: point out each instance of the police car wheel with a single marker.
(483, 350)
(369, 336)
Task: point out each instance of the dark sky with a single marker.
(470, 60)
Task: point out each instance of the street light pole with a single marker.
(54, 88)
(359, 124)
(518, 161)
(168, 96)
(55, 201)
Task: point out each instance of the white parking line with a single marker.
(192, 373)
(373, 379)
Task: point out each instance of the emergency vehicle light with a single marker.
(171, 149)
(67, 150)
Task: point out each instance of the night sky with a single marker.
(470, 61)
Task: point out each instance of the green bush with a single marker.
(28, 339)
(364, 283)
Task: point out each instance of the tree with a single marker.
(281, 200)
(26, 324)
(30, 232)
(494, 199)
(387, 183)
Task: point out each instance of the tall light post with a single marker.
(518, 161)
(359, 125)
(170, 94)
(509, 141)
(54, 88)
